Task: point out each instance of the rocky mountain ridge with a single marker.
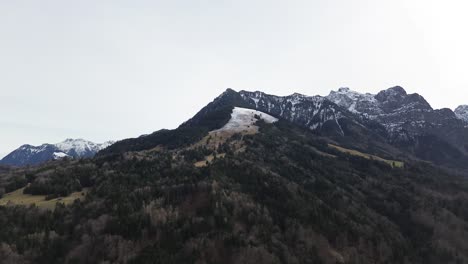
(406, 121)
(389, 123)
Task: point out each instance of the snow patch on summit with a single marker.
(243, 119)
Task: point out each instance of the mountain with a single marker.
(390, 123)
(250, 178)
(436, 135)
(462, 112)
(33, 155)
(213, 116)
(400, 113)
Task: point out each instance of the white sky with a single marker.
(113, 69)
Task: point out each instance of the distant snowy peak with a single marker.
(243, 119)
(81, 147)
(462, 112)
(33, 149)
(73, 148)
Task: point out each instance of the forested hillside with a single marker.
(278, 196)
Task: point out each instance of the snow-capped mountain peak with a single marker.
(80, 146)
(74, 148)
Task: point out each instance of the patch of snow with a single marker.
(242, 119)
(256, 102)
(60, 155)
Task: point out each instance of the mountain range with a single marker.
(389, 123)
(254, 178)
(72, 148)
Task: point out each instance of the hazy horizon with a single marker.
(108, 70)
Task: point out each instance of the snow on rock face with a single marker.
(80, 146)
(390, 101)
(243, 119)
(355, 102)
(462, 112)
(396, 110)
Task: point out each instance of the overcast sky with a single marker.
(107, 70)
